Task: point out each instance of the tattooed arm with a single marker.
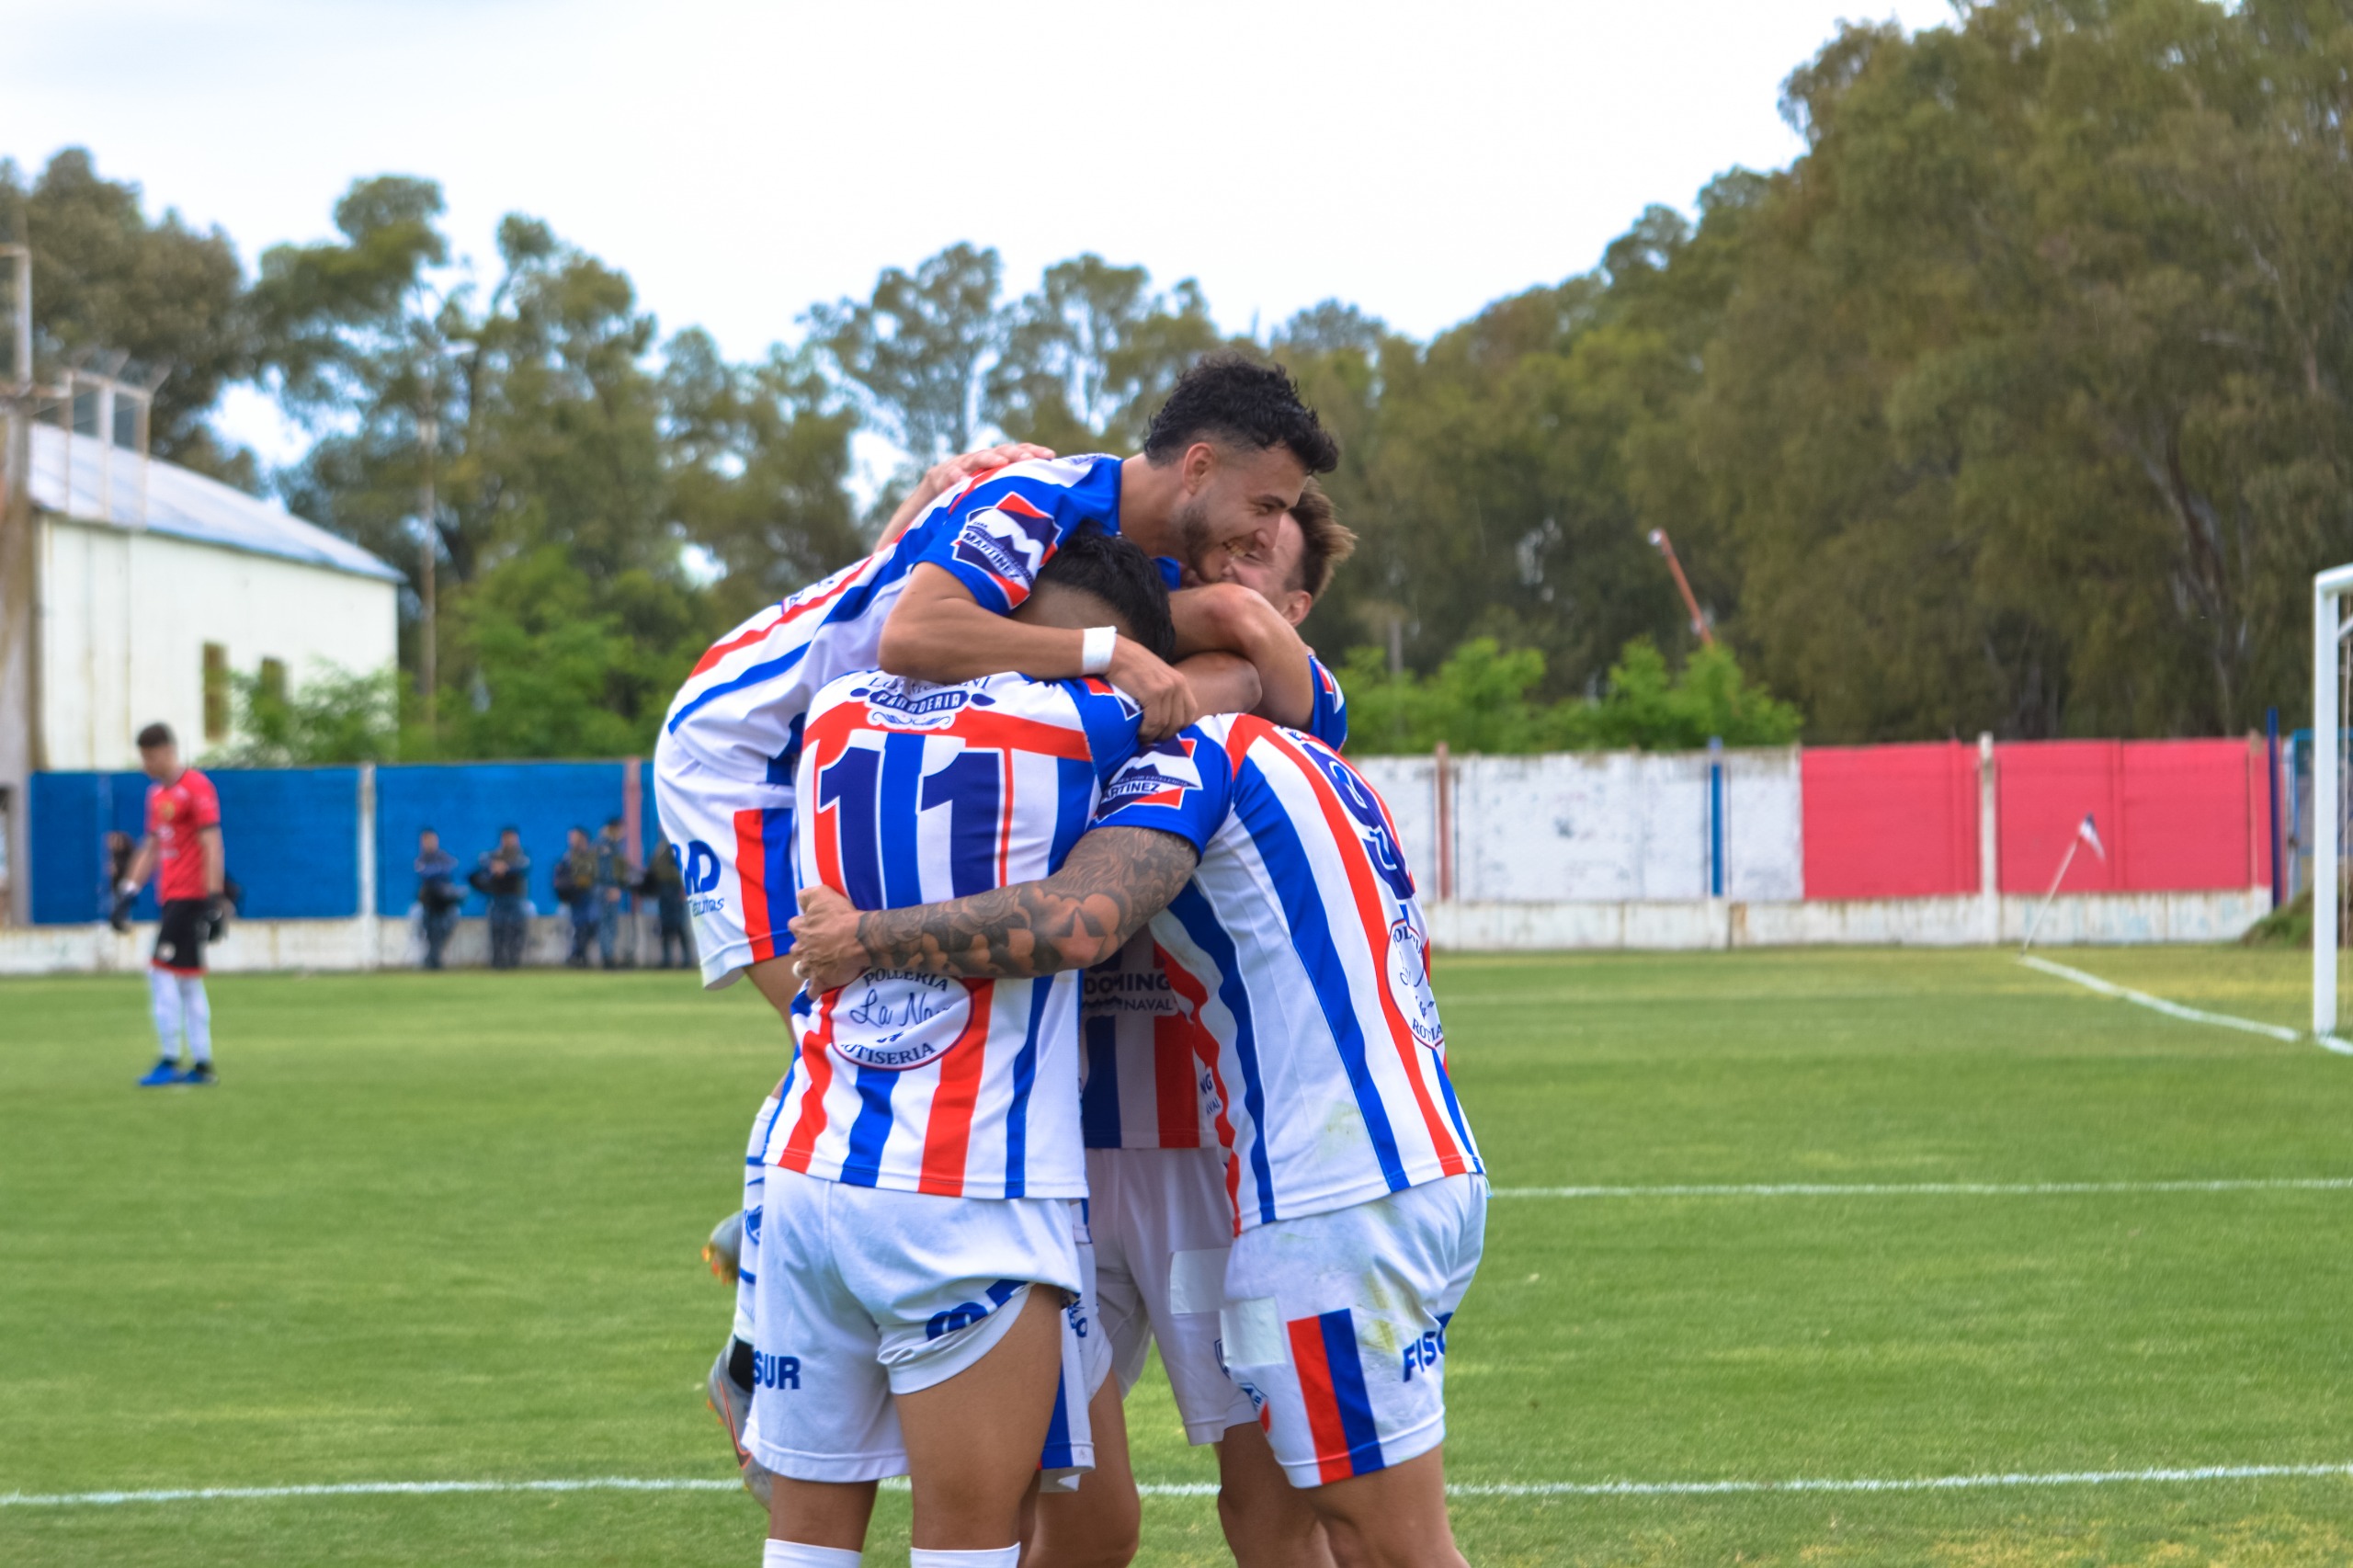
(1116, 878)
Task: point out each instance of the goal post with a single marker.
(2332, 687)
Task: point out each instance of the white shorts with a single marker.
(735, 845)
(1335, 1325)
(755, 1172)
(1162, 1227)
(864, 1293)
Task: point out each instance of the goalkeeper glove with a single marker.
(125, 896)
(216, 917)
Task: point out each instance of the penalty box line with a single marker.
(2176, 1010)
(1207, 1489)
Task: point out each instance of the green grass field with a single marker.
(444, 1227)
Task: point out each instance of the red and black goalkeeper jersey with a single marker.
(177, 814)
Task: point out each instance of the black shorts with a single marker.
(179, 940)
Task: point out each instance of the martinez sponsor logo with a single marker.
(1011, 540)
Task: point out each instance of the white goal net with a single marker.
(2332, 724)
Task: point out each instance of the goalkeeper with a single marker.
(182, 850)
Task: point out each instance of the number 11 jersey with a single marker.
(911, 793)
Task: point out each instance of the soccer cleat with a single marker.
(200, 1074)
(166, 1070)
(724, 1251)
(732, 1403)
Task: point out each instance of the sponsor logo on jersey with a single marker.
(775, 1371)
(964, 1315)
(894, 1020)
(1409, 981)
(1160, 776)
(1146, 993)
(902, 704)
(1423, 1355)
(1009, 539)
(701, 871)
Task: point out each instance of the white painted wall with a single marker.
(1602, 827)
(125, 616)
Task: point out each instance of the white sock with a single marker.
(1001, 1557)
(196, 1015)
(793, 1554)
(164, 991)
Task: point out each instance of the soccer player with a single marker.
(182, 850)
(1227, 454)
(1270, 873)
(1156, 1209)
(916, 1247)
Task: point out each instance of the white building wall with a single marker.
(125, 616)
(1603, 827)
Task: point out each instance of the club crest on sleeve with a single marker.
(1161, 775)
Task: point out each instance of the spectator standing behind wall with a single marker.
(437, 895)
(612, 883)
(576, 886)
(667, 885)
(503, 876)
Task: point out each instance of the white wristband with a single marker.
(1094, 653)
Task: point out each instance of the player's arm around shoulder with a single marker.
(1115, 880)
(1229, 618)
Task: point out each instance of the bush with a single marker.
(1482, 699)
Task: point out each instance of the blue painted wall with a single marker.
(292, 833)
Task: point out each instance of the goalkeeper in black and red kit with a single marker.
(182, 849)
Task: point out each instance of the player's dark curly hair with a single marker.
(1114, 571)
(1232, 398)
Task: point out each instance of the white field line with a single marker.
(1934, 1188)
(1207, 1489)
(2176, 1010)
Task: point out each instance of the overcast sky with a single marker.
(741, 160)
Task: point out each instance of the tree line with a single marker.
(2017, 402)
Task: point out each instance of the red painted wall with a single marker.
(2173, 816)
(1890, 822)
(1901, 821)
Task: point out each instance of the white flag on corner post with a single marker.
(2090, 835)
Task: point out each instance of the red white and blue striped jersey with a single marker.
(740, 712)
(1146, 1059)
(1327, 718)
(1329, 1081)
(913, 793)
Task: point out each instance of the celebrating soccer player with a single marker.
(916, 1247)
(182, 849)
(1271, 874)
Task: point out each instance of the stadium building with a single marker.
(153, 585)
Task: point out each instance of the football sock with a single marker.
(1002, 1557)
(739, 1364)
(792, 1554)
(195, 1017)
(164, 991)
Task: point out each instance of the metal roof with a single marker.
(106, 485)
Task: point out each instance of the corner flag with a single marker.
(2090, 835)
